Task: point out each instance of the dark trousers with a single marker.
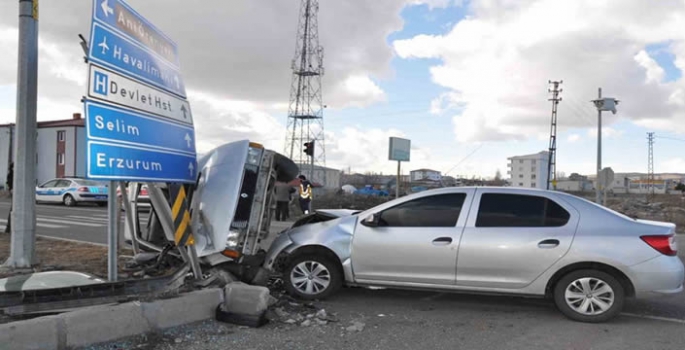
(305, 205)
(281, 211)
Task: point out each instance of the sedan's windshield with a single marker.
(89, 183)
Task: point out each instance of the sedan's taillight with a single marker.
(83, 189)
(664, 244)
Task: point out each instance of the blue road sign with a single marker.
(120, 17)
(117, 162)
(115, 124)
(111, 49)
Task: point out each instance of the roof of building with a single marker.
(534, 155)
(57, 123)
(306, 167)
(425, 170)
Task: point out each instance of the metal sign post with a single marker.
(399, 150)
(397, 186)
(112, 231)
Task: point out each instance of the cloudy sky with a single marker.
(466, 81)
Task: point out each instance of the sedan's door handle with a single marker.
(548, 243)
(442, 241)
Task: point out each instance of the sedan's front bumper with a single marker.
(662, 275)
(280, 244)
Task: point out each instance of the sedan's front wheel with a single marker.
(69, 201)
(589, 296)
(312, 277)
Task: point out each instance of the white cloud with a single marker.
(607, 132)
(573, 138)
(445, 102)
(500, 58)
(220, 120)
(655, 74)
(357, 91)
(432, 4)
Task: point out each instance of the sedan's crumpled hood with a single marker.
(338, 212)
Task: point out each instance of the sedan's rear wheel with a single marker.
(589, 296)
(312, 277)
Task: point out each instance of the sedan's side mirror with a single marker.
(372, 220)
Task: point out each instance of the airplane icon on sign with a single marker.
(103, 45)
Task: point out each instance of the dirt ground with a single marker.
(55, 254)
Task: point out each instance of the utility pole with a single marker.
(552, 162)
(599, 148)
(650, 165)
(24, 197)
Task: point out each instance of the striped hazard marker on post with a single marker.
(181, 216)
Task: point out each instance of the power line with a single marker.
(463, 159)
(669, 138)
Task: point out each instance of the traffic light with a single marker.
(309, 148)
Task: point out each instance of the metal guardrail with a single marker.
(56, 300)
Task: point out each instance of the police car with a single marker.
(72, 191)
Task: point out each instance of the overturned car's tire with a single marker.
(312, 277)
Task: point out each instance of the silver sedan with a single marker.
(585, 257)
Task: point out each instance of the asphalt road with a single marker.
(395, 320)
(87, 223)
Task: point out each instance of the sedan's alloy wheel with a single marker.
(589, 296)
(310, 277)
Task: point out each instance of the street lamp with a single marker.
(602, 104)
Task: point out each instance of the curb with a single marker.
(99, 324)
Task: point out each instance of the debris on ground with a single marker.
(290, 311)
(356, 327)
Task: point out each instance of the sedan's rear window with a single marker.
(513, 210)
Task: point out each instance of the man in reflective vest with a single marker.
(305, 194)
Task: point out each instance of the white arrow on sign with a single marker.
(106, 9)
(188, 139)
(191, 168)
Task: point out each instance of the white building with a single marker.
(332, 176)
(60, 149)
(425, 174)
(529, 171)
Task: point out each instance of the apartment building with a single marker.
(529, 171)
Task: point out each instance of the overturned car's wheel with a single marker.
(312, 277)
(589, 296)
